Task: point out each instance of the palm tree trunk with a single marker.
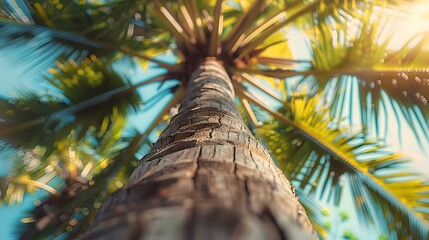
(206, 177)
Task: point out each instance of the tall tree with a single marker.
(207, 175)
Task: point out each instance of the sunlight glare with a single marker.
(410, 25)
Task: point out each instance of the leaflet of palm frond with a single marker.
(407, 97)
(345, 9)
(320, 156)
(80, 28)
(259, 85)
(312, 208)
(16, 11)
(413, 52)
(102, 85)
(83, 206)
(120, 91)
(250, 114)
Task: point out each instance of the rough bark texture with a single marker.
(205, 178)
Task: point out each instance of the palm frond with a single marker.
(104, 170)
(83, 88)
(343, 62)
(319, 155)
(68, 30)
(50, 44)
(377, 74)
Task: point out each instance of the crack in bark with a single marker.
(254, 161)
(211, 133)
(197, 166)
(234, 157)
(201, 126)
(214, 152)
(247, 192)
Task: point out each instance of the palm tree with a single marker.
(207, 175)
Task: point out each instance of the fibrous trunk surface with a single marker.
(205, 178)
